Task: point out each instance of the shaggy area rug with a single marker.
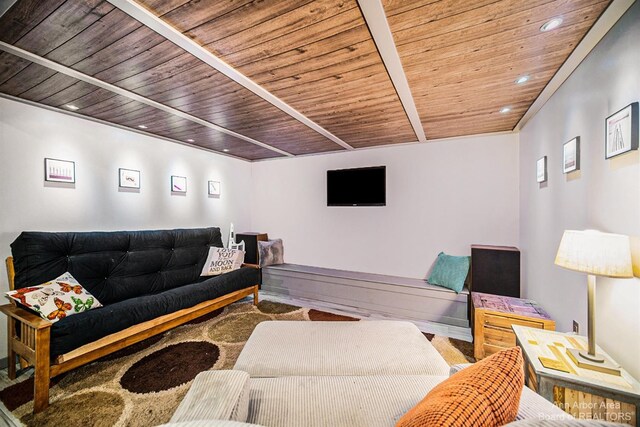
(143, 384)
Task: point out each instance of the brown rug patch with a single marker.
(148, 413)
(170, 367)
(321, 316)
(429, 336)
(20, 393)
(98, 409)
(206, 317)
(465, 347)
(269, 307)
(132, 349)
(450, 353)
(150, 379)
(236, 328)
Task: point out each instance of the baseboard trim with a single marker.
(457, 332)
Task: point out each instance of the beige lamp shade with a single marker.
(594, 252)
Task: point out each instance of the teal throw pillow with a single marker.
(450, 271)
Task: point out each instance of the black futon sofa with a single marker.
(142, 278)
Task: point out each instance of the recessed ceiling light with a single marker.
(522, 79)
(226, 150)
(142, 126)
(72, 107)
(190, 140)
(505, 109)
(552, 24)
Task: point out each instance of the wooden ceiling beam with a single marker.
(128, 94)
(376, 19)
(161, 27)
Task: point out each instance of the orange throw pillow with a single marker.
(484, 394)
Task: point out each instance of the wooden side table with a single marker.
(493, 316)
(583, 393)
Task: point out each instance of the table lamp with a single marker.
(597, 254)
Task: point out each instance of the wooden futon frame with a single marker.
(32, 343)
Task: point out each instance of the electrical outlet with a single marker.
(576, 327)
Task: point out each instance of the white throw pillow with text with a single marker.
(222, 260)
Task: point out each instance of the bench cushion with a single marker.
(382, 347)
(209, 423)
(75, 331)
(363, 401)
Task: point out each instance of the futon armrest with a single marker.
(25, 316)
(457, 368)
(216, 395)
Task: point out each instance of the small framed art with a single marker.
(59, 171)
(178, 184)
(129, 178)
(571, 155)
(621, 131)
(214, 188)
(541, 169)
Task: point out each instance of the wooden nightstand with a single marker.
(493, 316)
(583, 393)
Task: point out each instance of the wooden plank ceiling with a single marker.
(461, 59)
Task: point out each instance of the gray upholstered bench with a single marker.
(370, 294)
(289, 348)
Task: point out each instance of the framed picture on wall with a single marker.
(571, 155)
(178, 184)
(129, 178)
(214, 188)
(541, 169)
(59, 171)
(621, 131)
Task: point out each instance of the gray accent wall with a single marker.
(603, 195)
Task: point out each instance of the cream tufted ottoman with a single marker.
(290, 348)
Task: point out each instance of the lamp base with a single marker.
(594, 363)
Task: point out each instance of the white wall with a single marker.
(440, 197)
(29, 134)
(604, 195)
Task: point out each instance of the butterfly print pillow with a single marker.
(57, 299)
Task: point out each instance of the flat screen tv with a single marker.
(357, 187)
